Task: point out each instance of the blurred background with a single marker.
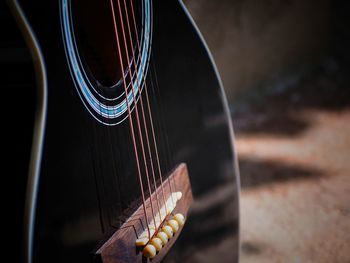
(285, 68)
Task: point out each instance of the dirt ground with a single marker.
(293, 142)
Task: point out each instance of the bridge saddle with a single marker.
(161, 228)
(132, 242)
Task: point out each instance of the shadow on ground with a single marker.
(276, 109)
(257, 172)
(293, 148)
(281, 110)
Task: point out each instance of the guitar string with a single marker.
(156, 90)
(116, 181)
(164, 132)
(161, 126)
(150, 115)
(105, 210)
(141, 102)
(136, 110)
(109, 138)
(108, 147)
(168, 149)
(130, 118)
(94, 152)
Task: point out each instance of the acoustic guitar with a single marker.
(132, 157)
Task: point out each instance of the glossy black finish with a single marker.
(18, 85)
(88, 175)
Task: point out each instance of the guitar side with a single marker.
(38, 131)
(71, 152)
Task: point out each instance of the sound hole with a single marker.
(95, 36)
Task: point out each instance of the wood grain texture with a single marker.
(120, 247)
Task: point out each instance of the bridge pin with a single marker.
(157, 243)
(168, 231)
(149, 251)
(163, 237)
(174, 225)
(180, 219)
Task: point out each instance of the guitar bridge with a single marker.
(134, 241)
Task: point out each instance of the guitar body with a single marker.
(83, 173)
